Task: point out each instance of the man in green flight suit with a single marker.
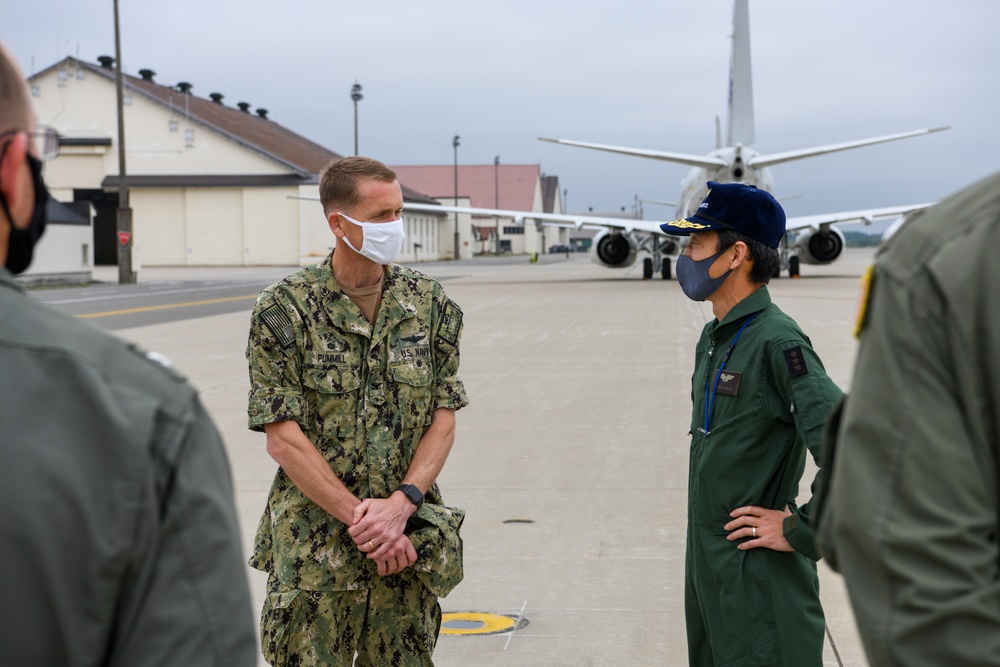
(354, 378)
(760, 398)
(911, 514)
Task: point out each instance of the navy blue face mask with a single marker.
(694, 279)
(21, 243)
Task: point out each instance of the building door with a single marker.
(105, 224)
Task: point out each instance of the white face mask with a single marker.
(381, 242)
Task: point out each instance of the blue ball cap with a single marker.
(736, 206)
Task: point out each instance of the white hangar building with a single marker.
(209, 183)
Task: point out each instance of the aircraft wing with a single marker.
(761, 161)
(705, 161)
(866, 216)
(550, 219)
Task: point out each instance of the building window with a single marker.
(174, 126)
(127, 99)
(189, 137)
(36, 91)
(513, 230)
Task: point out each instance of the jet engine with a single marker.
(819, 247)
(613, 249)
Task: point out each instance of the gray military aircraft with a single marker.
(619, 241)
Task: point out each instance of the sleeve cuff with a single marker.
(269, 405)
(801, 536)
(451, 395)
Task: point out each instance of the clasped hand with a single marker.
(377, 529)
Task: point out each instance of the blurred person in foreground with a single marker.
(760, 397)
(912, 512)
(119, 541)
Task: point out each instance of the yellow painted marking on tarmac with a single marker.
(475, 623)
(145, 309)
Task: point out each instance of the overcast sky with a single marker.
(634, 73)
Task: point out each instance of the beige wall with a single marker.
(214, 219)
(270, 235)
(158, 225)
(64, 250)
(75, 168)
(213, 226)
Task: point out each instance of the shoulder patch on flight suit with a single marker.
(451, 323)
(276, 319)
(866, 294)
(796, 362)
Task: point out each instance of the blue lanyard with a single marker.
(711, 388)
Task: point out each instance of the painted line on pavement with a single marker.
(145, 309)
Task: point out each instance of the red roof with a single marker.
(478, 182)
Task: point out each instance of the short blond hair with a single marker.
(338, 182)
(15, 109)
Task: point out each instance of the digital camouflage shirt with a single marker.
(364, 395)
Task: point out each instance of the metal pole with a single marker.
(496, 190)
(124, 215)
(356, 96)
(454, 143)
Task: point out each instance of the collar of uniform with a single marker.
(397, 302)
(757, 301)
(343, 312)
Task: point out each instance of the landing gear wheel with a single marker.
(793, 267)
(647, 268)
(665, 268)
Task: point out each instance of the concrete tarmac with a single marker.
(571, 460)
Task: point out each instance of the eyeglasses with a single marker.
(45, 140)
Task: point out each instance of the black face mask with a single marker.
(21, 244)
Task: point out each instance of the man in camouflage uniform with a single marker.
(353, 373)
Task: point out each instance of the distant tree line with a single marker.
(861, 240)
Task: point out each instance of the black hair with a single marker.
(764, 260)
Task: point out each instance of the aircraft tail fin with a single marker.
(741, 124)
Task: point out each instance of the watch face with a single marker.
(413, 493)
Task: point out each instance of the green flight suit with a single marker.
(120, 542)
(912, 513)
(759, 606)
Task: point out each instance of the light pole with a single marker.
(126, 276)
(454, 143)
(357, 97)
(496, 191)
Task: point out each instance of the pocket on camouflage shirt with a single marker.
(332, 395)
(412, 382)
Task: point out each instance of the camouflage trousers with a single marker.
(396, 622)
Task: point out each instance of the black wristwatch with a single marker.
(413, 493)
